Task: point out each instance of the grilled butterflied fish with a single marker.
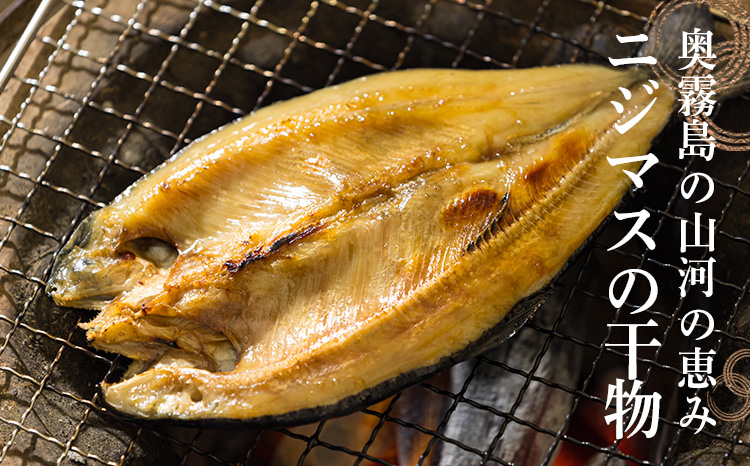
(323, 252)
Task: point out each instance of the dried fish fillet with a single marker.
(325, 251)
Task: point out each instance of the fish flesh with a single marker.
(323, 252)
(268, 271)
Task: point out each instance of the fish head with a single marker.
(102, 261)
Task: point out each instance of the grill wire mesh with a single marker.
(110, 89)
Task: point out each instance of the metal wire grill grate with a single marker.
(109, 89)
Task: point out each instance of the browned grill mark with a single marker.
(171, 344)
(545, 174)
(495, 226)
(538, 173)
(235, 266)
(292, 237)
(571, 147)
(568, 149)
(469, 207)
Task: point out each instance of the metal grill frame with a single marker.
(9, 125)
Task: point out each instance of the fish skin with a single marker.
(469, 178)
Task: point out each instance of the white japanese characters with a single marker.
(640, 407)
(633, 411)
(696, 100)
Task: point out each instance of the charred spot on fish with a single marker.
(545, 175)
(169, 343)
(493, 228)
(282, 241)
(259, 253)
(469, 207)
(236, 266)
(157, 251)
(292, 237)
(538, 173)
(515, 209)
(572, 146)
(569, 148)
